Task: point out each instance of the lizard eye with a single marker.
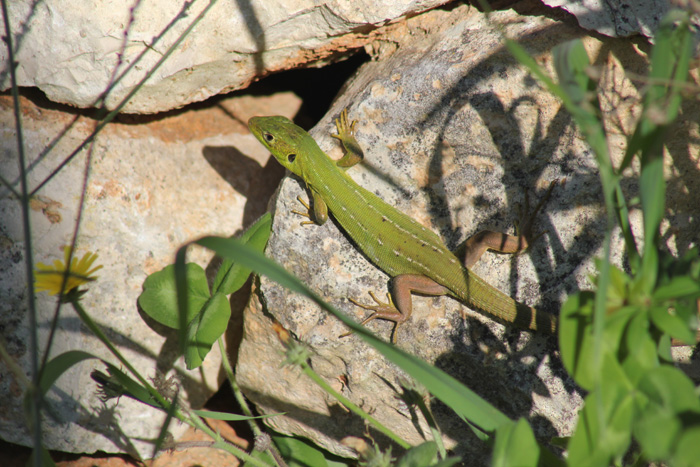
(291, 157)
(268, 137)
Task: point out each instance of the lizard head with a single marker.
(286, 141)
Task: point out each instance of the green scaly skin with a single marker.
(404, 249)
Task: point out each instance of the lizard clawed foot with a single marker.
(382, 310)
(345, 130)
(304, 214)
(346, 135)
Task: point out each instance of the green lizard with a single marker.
(412, 255)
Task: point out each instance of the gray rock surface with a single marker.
(153, 186)
(72, 50)
(455, 132)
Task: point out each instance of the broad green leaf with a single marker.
(596, 440)
(584, 447)
(205, 328)
(264, 456)
(670, 387)
(576, 338)
(575, 323)
(672, 324)
(657, 431)
(423, 455)
(638, 350)
(515, 445)
(680, 286)
(688, 448)
(159, 297)
(231, 276)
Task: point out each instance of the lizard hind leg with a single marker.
(475, 246)
(400, 307)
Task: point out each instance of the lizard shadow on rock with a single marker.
(255, 182)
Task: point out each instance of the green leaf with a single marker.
(597, 440)
(570, 63)
(670, 387)
(449, 462)
(46, 460)
(163, 433)
(131, 387)
(677, 287)
(419, 456)
(205, 328)
(638, 350)
(454, 394)
(669, 68)
(229, 417)
(264, 456)
(231, 276)
(159, 297)
(657, 431)
(618, 291)
(300, 453)
(575, 322)
(515, 445)
(58, 365)
(688, 448)
(672, 324)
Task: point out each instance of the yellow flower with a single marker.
(50, 278)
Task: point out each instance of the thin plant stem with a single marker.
(36, 395)
(191, 419)
(437, 436)
(351, 406)
(66, 273)
(240, 398)
(110, 116)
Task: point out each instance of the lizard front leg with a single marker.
(320, 210)
(346, 135)
(400, 307)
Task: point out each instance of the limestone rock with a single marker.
(153, 186)
(73, 51)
